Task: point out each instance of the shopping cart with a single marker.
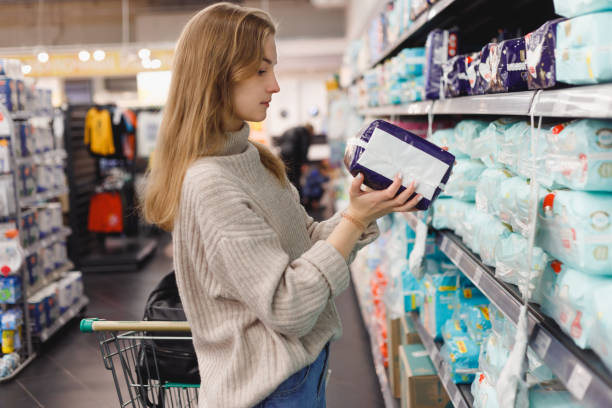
(129, 352)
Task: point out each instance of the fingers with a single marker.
(409, 205)
(444, 148)
(355, 189)
(392, 190)
(405, 195)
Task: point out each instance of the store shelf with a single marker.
(45, 242)
(19, 369)
(594, 101)
(513, 103)
(415, 108)
(417, 25)
(46, 280)
(42, 157)
(61, 321)
(38, 197)
(359, 267)
(21, 115)
(460, 395)
(580, 371)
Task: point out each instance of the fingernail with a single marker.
(420, 198)
(399, 176)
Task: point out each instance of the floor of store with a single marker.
(69, 371)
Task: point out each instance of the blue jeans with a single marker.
(304, 389)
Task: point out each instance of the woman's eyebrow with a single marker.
(267, 60)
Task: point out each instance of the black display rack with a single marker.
(90, 251)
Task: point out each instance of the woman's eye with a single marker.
(261, 72)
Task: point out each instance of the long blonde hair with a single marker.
(220, 46)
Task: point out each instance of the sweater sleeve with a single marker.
(245, 255)
(321, 230)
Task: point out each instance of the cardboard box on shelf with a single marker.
(420, 384)
(408, 333)
(394, 341)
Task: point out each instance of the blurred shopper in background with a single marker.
(294, 145)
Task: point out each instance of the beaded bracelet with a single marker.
(357, 223)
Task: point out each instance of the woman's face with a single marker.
(251, 97)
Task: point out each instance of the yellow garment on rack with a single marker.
(99, 132)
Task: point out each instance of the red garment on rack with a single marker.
(105, 213)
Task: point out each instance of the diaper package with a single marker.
(10, 289)
(466, 132)
(489, 235)
(452, 328)
(511, 264)
(584, 49)
(472, 63)
(567, 297)
(507, 61)
(8, 94)
(540, 49)
(383, 150)
(493, 356)
(573, 8)
(601, 336)
(485, 144)
(463, 180)
(446, 137)
(514, 198)
(574, 227)
(473, 223)
(487, 190)
(461, 354)
(439, 47)
(440, 299)
(579, 154)
(544, 395)
(454, 77)
(413, 292)
(477, 322)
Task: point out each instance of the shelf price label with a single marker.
(579, 381)
(541, 344)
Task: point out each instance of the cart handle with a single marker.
(93, 324)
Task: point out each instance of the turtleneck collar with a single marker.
(236, 142)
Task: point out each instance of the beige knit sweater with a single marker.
(256, 277)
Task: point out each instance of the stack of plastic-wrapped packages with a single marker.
(575, 49)
(571, 268)
(397, 81)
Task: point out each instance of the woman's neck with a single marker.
(232, 124)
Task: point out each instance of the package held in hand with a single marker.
(382, 150)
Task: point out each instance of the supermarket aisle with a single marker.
(69, 373)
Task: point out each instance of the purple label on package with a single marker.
(540, 47)
(440, 46)
(383, 150)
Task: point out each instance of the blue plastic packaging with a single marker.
(575, 228)
(461, 354)
(573, 8)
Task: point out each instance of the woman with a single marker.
(256, 275)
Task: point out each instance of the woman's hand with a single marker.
(367, 206)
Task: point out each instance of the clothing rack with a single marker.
(93, 252)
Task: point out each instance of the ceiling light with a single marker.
(26, 69)
(84, 55)
(43, 57)
(146, 63)
(99, 55)
(144, 53)
(156, 64)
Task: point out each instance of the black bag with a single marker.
(174, 360)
